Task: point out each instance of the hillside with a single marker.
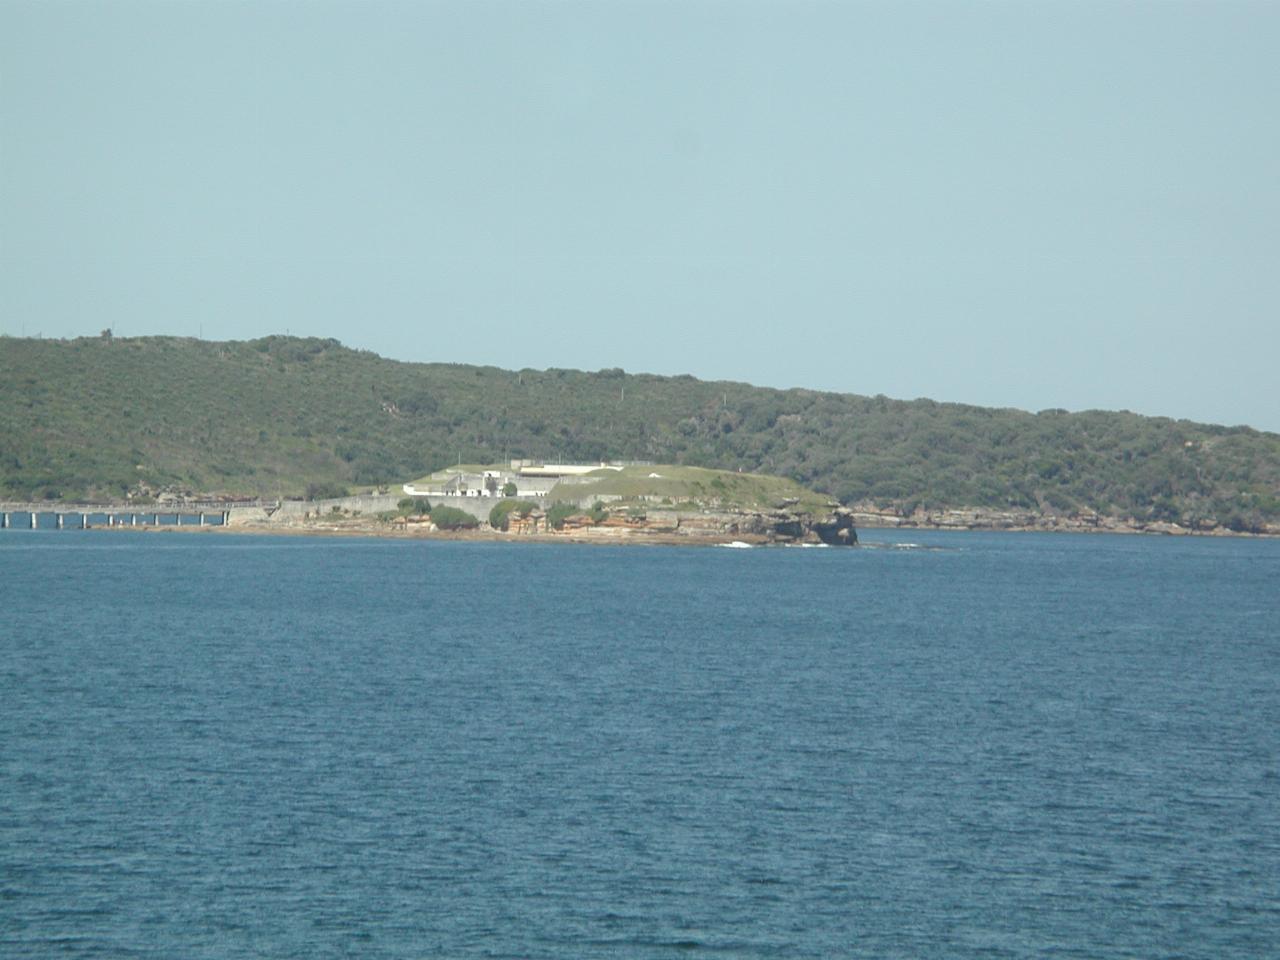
(97, 416)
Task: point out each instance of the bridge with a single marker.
(83, 516)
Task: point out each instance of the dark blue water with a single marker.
(1014, 746)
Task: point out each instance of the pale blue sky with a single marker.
(1011, 204)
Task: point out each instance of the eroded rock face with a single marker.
(838, 529)
(788, 527)
(769, 526)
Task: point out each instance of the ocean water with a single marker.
(1004, 745)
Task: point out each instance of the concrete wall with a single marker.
(364, 503)
(481, 507)
(240, 515)
(527, 487)
(532, 487)
(372, 504)
(367, 504)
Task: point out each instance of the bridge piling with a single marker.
(76, 516)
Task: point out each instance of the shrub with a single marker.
(598, 513)
(500, 515)
(1248, 521)
(324, 490)
(451, 518)
(508, 489)
(414, 505)
(558, 513)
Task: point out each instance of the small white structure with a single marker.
(529, 478)
(564, 469)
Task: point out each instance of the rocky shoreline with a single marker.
(779, 526)
(711, 528)
(979, 518)
(756, 528)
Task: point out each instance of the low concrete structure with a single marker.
(559, 470)
(528, 479)
(82, 516)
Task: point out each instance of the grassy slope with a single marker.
(676, 483)
(679, 484)
(270, 416)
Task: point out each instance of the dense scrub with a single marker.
(272, 416)
(500, 515)
(451, 518)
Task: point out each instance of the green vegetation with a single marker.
(695, 488)
(451, 518)
(500, 515)
(413, 507)
(325, 490)
(104, 417)
(560, 512)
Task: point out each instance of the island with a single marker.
(638, 502)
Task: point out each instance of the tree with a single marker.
(558, 513)
(500, 515)
(451, 518)
(321, 490)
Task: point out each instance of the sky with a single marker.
(1028, 204)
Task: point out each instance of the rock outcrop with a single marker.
(1081, 520)
(771, 526)
(838, 530)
